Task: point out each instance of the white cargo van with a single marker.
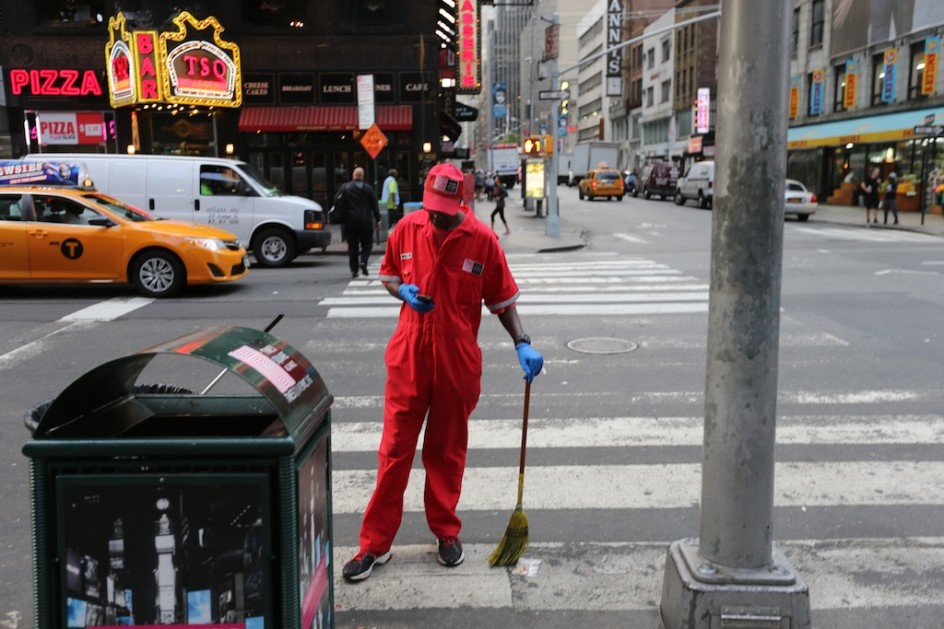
(224, 193)
(698, 183)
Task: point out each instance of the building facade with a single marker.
(297, 119)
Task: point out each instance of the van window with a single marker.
(219, 181)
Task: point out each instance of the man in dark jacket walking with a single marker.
(363, 218)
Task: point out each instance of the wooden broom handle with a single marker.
(524, 425)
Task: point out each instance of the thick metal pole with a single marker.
(553, 211)
(744, 297)
(735, 575)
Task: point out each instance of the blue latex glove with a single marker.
(531, 361)
(408, 293)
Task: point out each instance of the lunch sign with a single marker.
(192, 65)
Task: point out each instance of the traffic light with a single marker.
(534, 145)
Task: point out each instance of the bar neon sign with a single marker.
(469, 47)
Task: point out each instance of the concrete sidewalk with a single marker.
(528, 232)
(855, 216)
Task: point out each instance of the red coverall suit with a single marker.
(434, 365)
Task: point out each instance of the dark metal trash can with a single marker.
(153, 505)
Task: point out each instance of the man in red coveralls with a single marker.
(443, 263)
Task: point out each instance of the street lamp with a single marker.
(553, 211)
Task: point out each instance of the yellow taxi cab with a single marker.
(603, 182)
(55, 228)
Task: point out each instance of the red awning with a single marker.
(321, 118)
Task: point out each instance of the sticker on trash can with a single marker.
(275, 366)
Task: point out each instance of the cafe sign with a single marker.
(191, 65)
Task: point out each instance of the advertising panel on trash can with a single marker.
(163, 550)
(314, 545)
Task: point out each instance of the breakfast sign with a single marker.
(192, 65)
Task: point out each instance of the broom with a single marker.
(515, 541)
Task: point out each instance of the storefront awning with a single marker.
(321, 118)
(887, 128)
(449, 127)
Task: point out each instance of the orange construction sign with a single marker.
(373, 141)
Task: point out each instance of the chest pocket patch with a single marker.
(473, 267)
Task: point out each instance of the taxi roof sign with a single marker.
(44, 173)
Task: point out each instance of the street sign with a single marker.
(553, 94)
(373, 141)
(929, 130)
(464, 113)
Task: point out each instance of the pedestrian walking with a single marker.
(359, 204)
(889, 203)
(390, 197)
(443, 264)
(500, 193)
(869, 186)
(479, 184)
(490, 180)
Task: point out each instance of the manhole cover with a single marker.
(602, 345)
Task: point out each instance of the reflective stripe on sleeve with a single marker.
(502, 305)
(389, 278)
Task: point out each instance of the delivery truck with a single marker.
(504, 161)
(592, 155)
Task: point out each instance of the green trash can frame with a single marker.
(222, 501)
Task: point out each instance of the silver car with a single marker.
(798, 201)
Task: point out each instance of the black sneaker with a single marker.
(360, 567)
(364, 270)
(450, 551)
(354, 274)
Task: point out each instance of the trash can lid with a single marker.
(102, 402)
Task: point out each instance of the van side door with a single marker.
(226, 200)
(170, 189)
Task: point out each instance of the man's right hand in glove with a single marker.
(410, 294)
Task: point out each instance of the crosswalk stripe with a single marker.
(843, 574)
(553, 398)
(667, 486)
(594, 432)
(585, 287)
(871, 235)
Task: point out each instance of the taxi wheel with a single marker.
(157, 273)
(273, 247)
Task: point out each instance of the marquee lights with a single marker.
(190, 66)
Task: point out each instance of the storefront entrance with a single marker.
(315, 165)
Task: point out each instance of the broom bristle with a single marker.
(514, 543)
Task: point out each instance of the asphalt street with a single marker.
(618, 306)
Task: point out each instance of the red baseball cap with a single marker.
(443, 189)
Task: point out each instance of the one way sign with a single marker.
(929, 130)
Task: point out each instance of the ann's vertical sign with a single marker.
(468, 47)
(614, 58)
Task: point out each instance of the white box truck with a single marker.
(504, 161)
(225, 193)
(590, 155)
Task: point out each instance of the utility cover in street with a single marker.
(553, 94)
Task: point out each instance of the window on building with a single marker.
(666, 91)
(816, 27)
(650, 58)
(637, 93)
(650, 94)
(292, 13)
(878, 77)
(666, 50)
(839, 87)
(795, 31)
(916, 71)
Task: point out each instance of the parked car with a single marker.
(698, 184)
(798, 201)
(659, 178)
(74, 235)
(604, 182)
